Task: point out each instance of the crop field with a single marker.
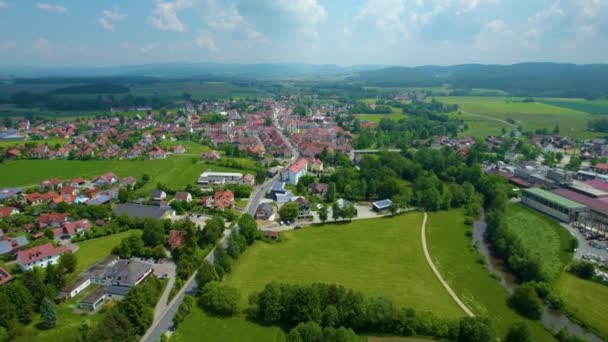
(597, 107)
(531, 116)
(210, 90)
(379, 257)
(458, 262)
(542, 237)
(199, 325)
(586, 300)
(175, 171)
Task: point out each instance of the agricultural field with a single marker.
(396, 114)
(596, 107)
(541, 236)
(459, 264)
(532, 115)
(198, 325)
(174, 172)
(586, 300)
(92, 251)
(379, 257)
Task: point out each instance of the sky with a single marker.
(343, 32)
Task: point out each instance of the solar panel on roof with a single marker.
(383, 203)
(5, 247)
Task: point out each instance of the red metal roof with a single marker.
(592, 203)
(40, 252)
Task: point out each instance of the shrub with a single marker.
(525, 300)
(583, 269)
(219, 299)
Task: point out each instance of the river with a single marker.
(551, 319)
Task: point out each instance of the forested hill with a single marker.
(526, 79)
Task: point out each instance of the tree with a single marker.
(205, 274)
(583, 269)
(289, 211)
(330, 195)
(68, 262)
(518, 332)
(153, 234)
(473, 329)
(223, 260)
(219, 299)
(8, 312)
(124, 195)
(323, 214)
(21, 299)
(349, 211)
(393, 208)
(34, 283)
(48, 316)
(248, 228)
(336, 212)
(55, 277)
(525, 300)
(212, 231)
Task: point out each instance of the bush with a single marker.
(218, 299)
(556, 302)
(525, 300)
(583, 269)
(518, 332)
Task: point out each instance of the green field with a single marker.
(480, 126)
(175, 172)
(586, 300)
(199, 325)
(92, 251)
(457, 261)
(541, 236)
(206, 90)
(597, 107)
(531, 116)
(380, 257)
(395, 115)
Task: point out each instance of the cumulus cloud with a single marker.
(229, 19)
(109, 18)
(307, 13)
(164, 16)
(205, 40)
(50, 7)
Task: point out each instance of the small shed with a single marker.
(382, 205)
(271, 234)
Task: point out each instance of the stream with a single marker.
(552, 320)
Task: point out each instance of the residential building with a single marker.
(264, 211)
(183, 196)
(223, 199)
(295, 171)
(5, 277)
(143, 211)
(219, 178)
(40, 256)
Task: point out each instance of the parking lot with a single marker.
(591, 246)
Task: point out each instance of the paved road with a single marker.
(447, 287)
(164, 319)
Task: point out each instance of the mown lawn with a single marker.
(479, 126)
(587, 300)
(541, 236)
(199, 325)
(175, 171)
(92, 251)
(531, 116)
(459, 265)
(379, 257)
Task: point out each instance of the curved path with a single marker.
(447, 287)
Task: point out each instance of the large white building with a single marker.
(294, 172)
(219, 178)
(40, 256)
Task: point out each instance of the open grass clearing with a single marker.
(587, 300)
(92, 251)
(458, 262)
(531, 115)
(541, 236)
(175, 171)
(379, 257)
(199, 326)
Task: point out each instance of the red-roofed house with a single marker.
(40, 256)
(183, 196)
(223, 199)
(8, 211)
(175, 238)
(601, 168)
(34, 198)
(295, 171)
(106, 179)
(52, 219)
(206, 202)
(75, 228)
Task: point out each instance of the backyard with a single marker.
(543, 237)
(459, 263)
(364, 255)
(92, 251)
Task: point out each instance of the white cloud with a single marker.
(307, 13)
(470, 5)
(144, 50)
(205, 40)
(108, 19)
(7, 45)
(51, 8)
(229, 19)
(4, 4)
(387, 15)
(164, 16)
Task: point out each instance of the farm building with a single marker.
(552, 204)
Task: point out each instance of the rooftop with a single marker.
(593, 203)
(141, 211)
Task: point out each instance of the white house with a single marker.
(40, 256)
(294, 172)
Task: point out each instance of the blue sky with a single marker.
(398, 32)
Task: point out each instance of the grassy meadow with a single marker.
(586, 300)
(596, 107)
(543, 237)
(92, 251)
(174, 171)
(532, 115)
(458, 262)
(377, 257)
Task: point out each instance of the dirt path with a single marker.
(492, 118)
(447, 287)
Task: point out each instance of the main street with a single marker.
(164, 322)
